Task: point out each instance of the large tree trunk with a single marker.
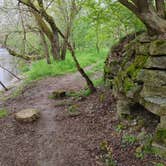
(151, 13)
(155, 24)
(51, 34)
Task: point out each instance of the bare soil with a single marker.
(58, 139)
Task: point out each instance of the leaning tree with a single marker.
(151, 12)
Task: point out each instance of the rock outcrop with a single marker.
(139, 76)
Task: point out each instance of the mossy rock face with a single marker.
(140, 76)
(155, 78)
(156, 63)
(123, 107)
(142, 49)
(153, 91)
(158, 47)
(154, 104)
(27, 115)
(58, 94)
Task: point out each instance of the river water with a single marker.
(9, 62)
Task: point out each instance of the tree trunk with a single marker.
(66, 38)
(45, 45)
(63, 51)
(82, 72)
(151, 13)
(55, 47)
(155, 24)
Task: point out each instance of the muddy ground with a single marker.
(58, 139)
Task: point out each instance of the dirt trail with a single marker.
(43, 142)
(57, 139)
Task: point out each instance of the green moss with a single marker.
(107, 69)
(159, 42)
(157, 151)
(142, 49)
(128, 84)
(124, 81)
(3, 113)
(136, 66)
(158, 47)
(160, 136)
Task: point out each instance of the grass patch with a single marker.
(41, 69)
(81, 93)
(128, 139)
(106, 154)
(3, 113)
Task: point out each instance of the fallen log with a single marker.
(25, 57)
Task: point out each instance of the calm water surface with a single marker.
(10, 63)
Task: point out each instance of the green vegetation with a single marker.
(81, 93)
(128, 139)
(41, 69)
(119, 128)
(3, 113)
(145, 148)
(107, 154)
(159, 164)
(160, 136)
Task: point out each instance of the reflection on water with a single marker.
(10, 63)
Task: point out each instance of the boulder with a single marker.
(27, 115)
